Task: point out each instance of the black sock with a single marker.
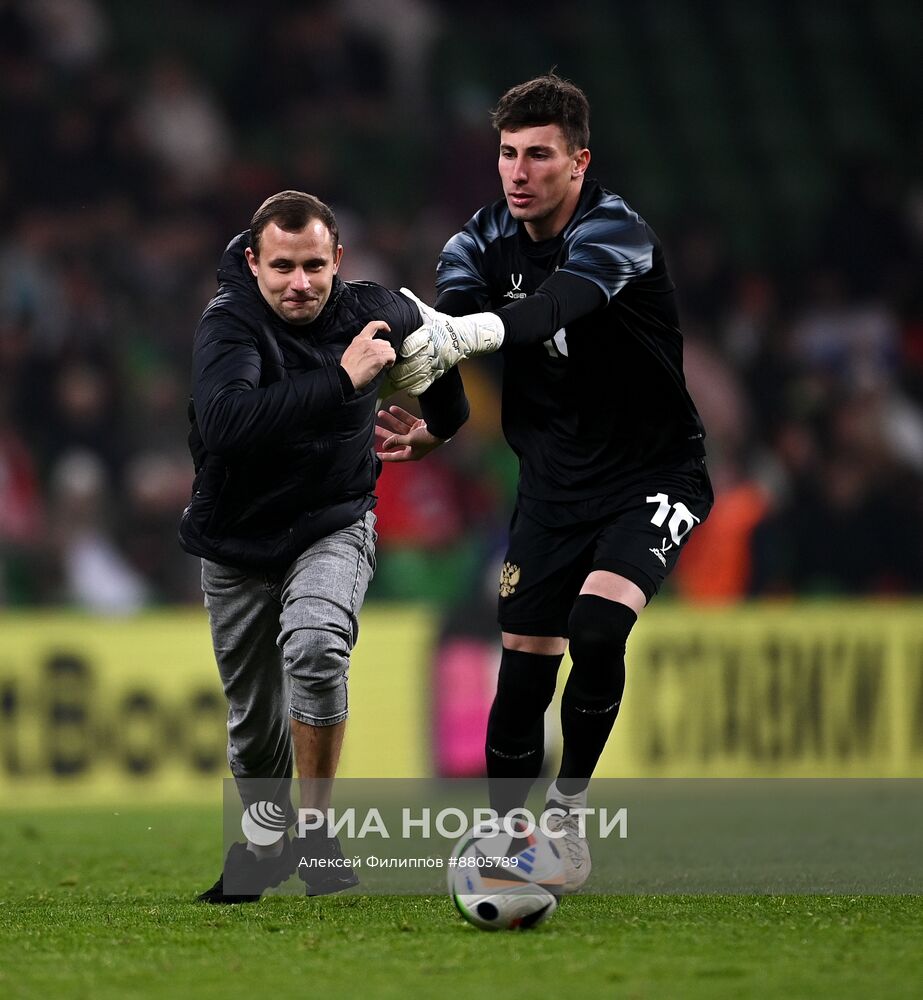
(593, 693)
(515, 744)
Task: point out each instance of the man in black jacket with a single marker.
(288, 364)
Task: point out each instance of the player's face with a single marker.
(541, 178)
(295, 271)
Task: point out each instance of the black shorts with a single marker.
(637, 533)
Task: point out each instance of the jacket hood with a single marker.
(233, 269)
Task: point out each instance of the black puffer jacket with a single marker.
(283, 445)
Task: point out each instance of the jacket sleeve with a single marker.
(235, 414)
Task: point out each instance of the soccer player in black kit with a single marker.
(570, 284)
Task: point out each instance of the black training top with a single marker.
(283, 444)
(593, 386)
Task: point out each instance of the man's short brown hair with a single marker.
(546, 100)
(291, 211)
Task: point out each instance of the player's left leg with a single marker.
(599, 624)
(322, 593)
(635, 551)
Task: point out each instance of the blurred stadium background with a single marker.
(775, 147)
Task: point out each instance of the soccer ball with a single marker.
(502, 882)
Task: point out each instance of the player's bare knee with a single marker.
(539, 645)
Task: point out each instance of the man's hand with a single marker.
(402, 437)
(365, 357)
(442, 341)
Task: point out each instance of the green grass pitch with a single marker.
(97, 904)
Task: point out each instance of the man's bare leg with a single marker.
(317, 755)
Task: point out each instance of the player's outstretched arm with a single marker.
(402, 437)
(441, 343)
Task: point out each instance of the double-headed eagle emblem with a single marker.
(509, 578)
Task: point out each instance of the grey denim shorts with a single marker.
(283, 641)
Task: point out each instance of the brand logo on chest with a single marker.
(516, 291)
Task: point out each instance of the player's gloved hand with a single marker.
(414, 371)
(442, 341)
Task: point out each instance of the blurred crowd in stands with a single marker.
(138, 139)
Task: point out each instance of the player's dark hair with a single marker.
(291, 211)
(546, 100)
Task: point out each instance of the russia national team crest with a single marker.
(509, 578)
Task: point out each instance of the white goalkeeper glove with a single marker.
(429, 352)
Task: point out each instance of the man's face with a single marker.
(541, 178)
(295, 271)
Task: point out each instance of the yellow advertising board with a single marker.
(121, 710)
(793, 690)
(114, 710)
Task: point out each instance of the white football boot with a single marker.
(574, 849)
